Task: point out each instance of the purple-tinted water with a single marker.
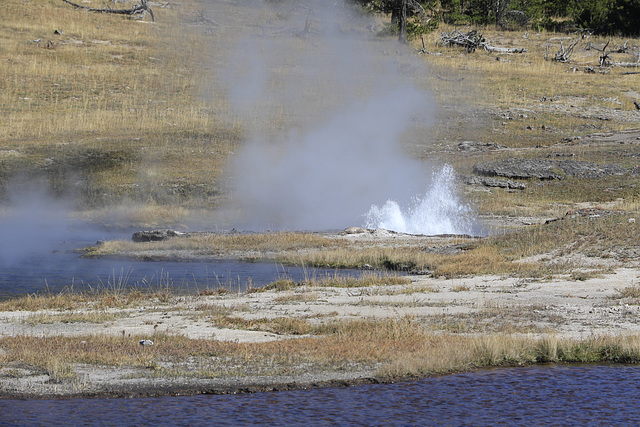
(551, 395)
(60, 268)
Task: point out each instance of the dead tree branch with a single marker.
(140, 9)
(627, 64)
(605, 58)
(424, 49)
(564, 55)
(470, 41)
(622, 49)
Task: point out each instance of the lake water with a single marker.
(557, 395)
(543, 395)
(57, 267)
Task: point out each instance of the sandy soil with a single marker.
(565, 307)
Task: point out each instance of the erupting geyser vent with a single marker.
(439, 211)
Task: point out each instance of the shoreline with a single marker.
(484, 316)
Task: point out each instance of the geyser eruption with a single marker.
(328, 119)
(439, 211)
(328, 176)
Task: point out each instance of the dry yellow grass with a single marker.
(608, 233)
(503, 82)
(114, 105)
(133, 110)
(400, 348)
(104, 76)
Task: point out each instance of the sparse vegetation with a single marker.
(603, 233)
(115, 107)
(399, 347)
(631, 292)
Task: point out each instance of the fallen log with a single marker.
(563, 55)
(470, 40)
(495, 49)
(142, 9)
(626, 64)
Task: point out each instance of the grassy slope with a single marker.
(111, 107)
(112, 110)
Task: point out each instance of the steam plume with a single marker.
(32, 222)
(328, 116)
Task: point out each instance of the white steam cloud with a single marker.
(31, 222)
(327, 117)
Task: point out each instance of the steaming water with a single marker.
(439, 211)
(557, 395)
(57, 267)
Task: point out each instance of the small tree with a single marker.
(408, 17)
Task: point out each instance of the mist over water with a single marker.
(327, 117)
(31, 222)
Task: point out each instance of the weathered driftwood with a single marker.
(495, 49)
(563, 55)
(622, 49)
(424, 49)
(607, 61)
(597, 70)
(140, 9)
(626, 64)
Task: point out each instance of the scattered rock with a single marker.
(494, 182)
(356, 230)
(571, 139)
(447, 250)
(546, 169)
(560, 155)
(549, 98)
(155, 235)
(596, 212)
(479, 146)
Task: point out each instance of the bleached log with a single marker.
(496, 49)
(626, 64)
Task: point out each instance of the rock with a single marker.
(155, 235)
(494, 182)
(355, 230)
(479, 146)
(546, 169)
(592, 213)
